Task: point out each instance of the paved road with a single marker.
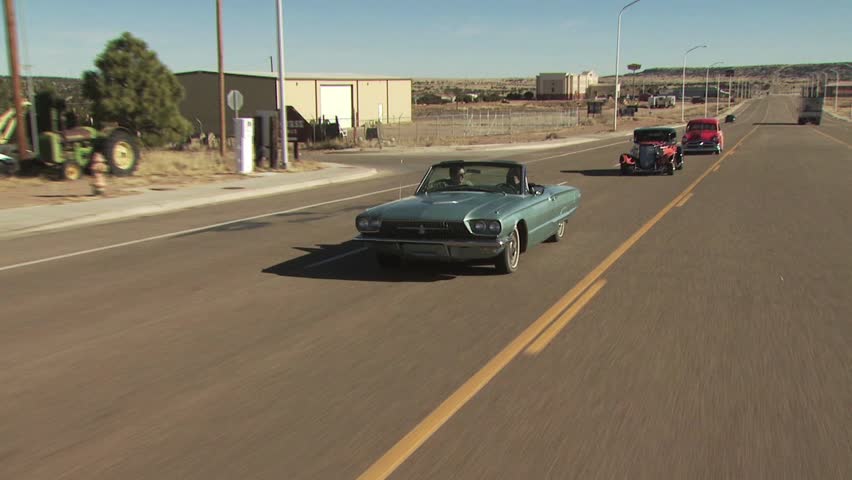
(714, 339)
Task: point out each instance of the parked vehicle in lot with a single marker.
(703, 135)
(469, 211)
(655, 150)
(810, 110)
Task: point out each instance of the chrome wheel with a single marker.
(507, 261)
(514, 250)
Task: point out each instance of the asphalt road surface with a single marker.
(694, 326)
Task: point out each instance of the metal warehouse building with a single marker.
(352, 99)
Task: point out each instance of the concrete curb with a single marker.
(839, 117)
(172, 206)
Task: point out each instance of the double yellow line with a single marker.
(533, 339)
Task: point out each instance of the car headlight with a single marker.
(368, 224)
(486, 227)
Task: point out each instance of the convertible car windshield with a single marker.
(482, 178)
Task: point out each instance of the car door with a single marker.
(539, 215)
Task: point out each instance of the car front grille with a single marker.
(424, 230)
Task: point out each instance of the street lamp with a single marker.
(718, 90)
(282, 102)
(683, 88)
(617, 62)
(836, 86)
(707, 87)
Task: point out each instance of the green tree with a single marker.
(134, 89)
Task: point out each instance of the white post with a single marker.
(617, 62)
(282, 103)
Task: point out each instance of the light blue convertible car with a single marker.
(469, 211)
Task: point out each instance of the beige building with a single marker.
(563, 85)
(558, 85)
(353, 100)
(585, 80)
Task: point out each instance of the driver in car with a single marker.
(457, 176)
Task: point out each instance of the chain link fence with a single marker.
(426, 129)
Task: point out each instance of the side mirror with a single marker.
(537, 189)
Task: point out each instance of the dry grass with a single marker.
(185, 163)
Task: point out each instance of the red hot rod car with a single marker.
(655, 150)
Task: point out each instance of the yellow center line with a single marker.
(545, 338)
(427, 427)
(685, 199)
(849, 146)
(716, 168)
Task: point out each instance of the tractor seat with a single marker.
(77, 133)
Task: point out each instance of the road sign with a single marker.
(235, 100)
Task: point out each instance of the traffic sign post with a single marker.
(235, 102)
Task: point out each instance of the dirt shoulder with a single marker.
(159, 170)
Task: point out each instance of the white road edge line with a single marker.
(561, 183)
(573, 153)
(196, 229)
(338, 257)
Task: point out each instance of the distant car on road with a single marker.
(703, 135)
(469, 211)
(731, 118)
(655, 150)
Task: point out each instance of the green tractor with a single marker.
(64, 144)
(72, 150)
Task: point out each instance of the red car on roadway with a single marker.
(703, 135)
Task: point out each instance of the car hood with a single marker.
(705, 135)
(446, 206)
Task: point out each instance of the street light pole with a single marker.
(718, 79)
(222, 130)
(617, 62)
(707, 85)
(836, 87)
(282, 104)
(683, 87)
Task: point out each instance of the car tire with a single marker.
(507, 261)
(386, 260)
(560, 233)
(625, 170)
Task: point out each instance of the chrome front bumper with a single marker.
(447, 250)
(700, 147)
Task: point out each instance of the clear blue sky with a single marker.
(438, 38)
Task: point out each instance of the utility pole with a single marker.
(15, 71)
(222, 130)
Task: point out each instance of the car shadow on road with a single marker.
(351, 261)
(775, 123)
(597, 172)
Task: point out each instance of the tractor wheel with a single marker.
(9, 166)
(71, 170)
(122, 153)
